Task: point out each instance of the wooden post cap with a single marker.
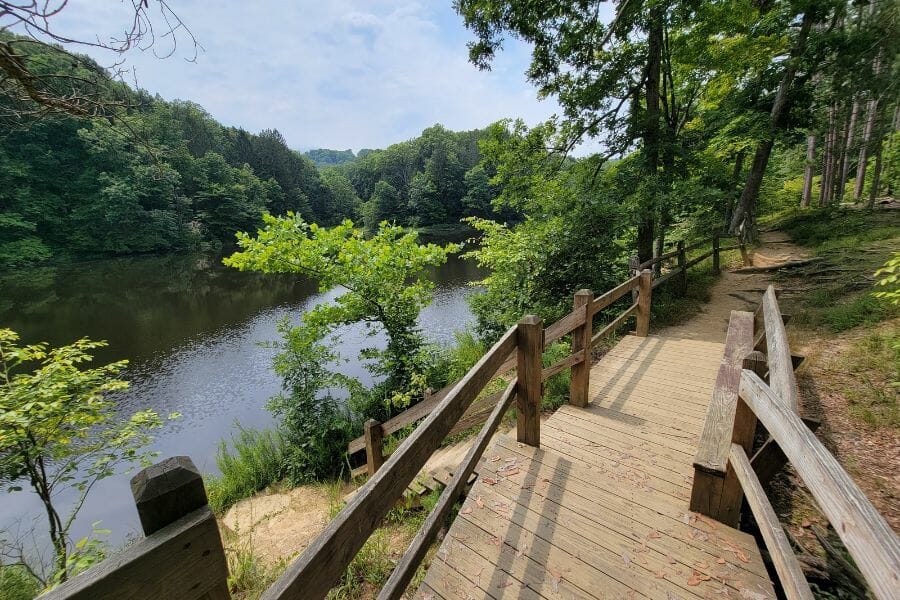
(167, 491)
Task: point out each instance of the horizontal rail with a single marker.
(615, 324)
(183, 551)
(865, 533)
(406, 568)
(790, 574)
(649, 263)
(562, 365)
(565, 325)
(323, 563)
(698, 259)
(781, 366)
(601, 302)
(664, 278)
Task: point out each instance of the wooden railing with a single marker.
(372, 441)
(755, 387)
(182, 557)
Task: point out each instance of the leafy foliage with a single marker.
(58, 430)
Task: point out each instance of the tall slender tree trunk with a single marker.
(736, 185)
(876, 175)
(864, 149)
(848, 148)
(809, 170)
(743, 221)
(651, 132)
(827, 161)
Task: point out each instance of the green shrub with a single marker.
(16, 583)
(556, 389)
(256, 460)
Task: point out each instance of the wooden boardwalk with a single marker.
(600, 510)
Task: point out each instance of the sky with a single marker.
(327, 74)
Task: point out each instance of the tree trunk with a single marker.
(848, 148)
(876, 176)
(651, 132)
(743, 221)
(825, 183)
(736, 185)
(809, 170)
(864, 150)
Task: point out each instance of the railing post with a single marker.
(374, 435)
(742, 433)
(716, 241)
(645, 288)
(682, 269)
(581, 343)
(166, 492)
(530, 333)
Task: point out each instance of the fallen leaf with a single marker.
(721, 561)
(671, 596)
(505, 584)
(521, 552)
(489, 480)
(466, 511)
(495, 540)
(479, 501)
(806, 523)
(654, 535)
(660, 574)
(626, 559)
(512, 471)
(428, 596)
(555, 578)
(495, 458)
(697, 578)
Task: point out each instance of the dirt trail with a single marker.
(737, 291)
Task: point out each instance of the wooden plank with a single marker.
(566, 324)
(528, 395)
(579, 381)
(566, 492)
(698, 259)
(710, 462)
(614, 325)
(560, 366)
(793, 582)
(865, 533)
(181, 561)
(319, 568)
(601, 302)
(664, 278)
(649, 263)
(418, 547)
(781, 367)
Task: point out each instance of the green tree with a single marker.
(385, 277)
(58, 429)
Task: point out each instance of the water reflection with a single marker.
(191, 329)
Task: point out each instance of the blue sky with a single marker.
(333, 74)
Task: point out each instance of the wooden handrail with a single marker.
(323, 563)
(180, 557)
(781, 366)
(406, 568)
(865, 533)
(790, 574)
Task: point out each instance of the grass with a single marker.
(871, 393)
(16, 583)
(256, 460)
(249, 575)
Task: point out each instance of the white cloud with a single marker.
(337, 74)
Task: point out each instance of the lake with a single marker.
(191, 329)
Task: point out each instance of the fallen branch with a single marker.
(785, 265)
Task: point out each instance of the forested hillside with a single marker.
(166, 176)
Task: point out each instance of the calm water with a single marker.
(190, 328)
